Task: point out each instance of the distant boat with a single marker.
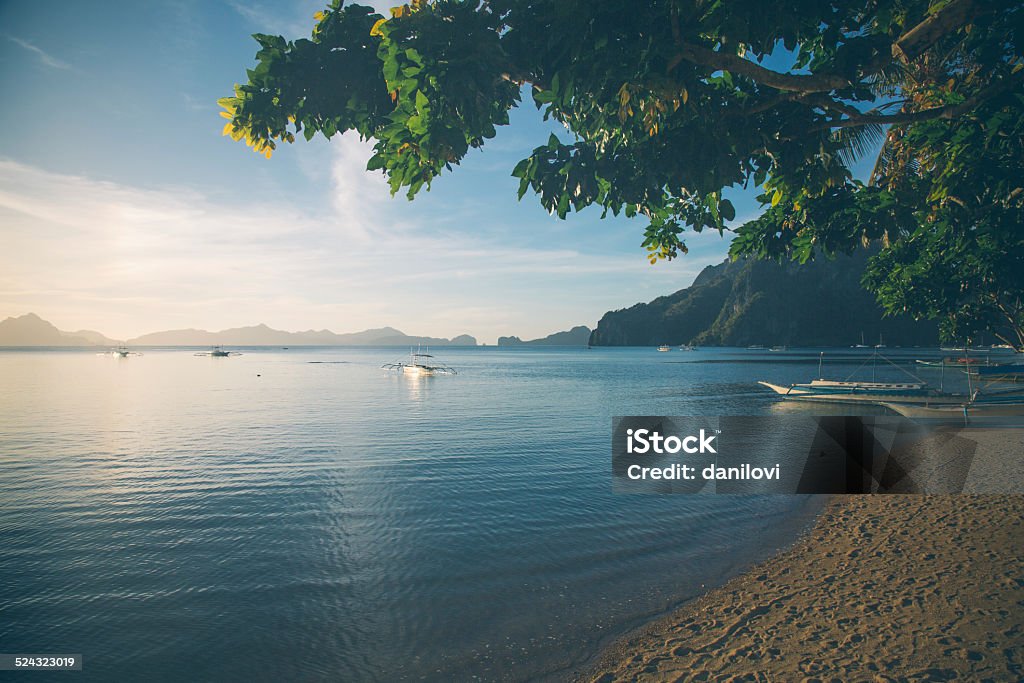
(756, 347)
(687, 347)
(779, 348)
(218, 352)
(664, 347)
(880, 344)
(862, 345)
(122, 351)
(419, 365)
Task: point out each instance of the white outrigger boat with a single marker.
(863, 392)
(218, 352)
(122, 351)
(982, 404)
(851, 391)
(419, 365)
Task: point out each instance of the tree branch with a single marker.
(952, 17)
(728, 61)
(773, 102)
(949, 111)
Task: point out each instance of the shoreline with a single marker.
(863, 595)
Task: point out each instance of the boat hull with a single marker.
(957, 412)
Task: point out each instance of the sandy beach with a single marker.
(884, 588)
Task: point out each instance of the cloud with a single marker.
(45, 57)
(361, 200)
(127, 260)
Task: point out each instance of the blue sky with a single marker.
(123, 209)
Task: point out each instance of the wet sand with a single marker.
(884, 588)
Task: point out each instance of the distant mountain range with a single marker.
(737, 303)
(742, 303)
(261, 335)
(577, 336)
(31, 330)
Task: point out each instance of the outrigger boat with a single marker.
(218, 352)
(863, 392)
(122, 351)
(418, 365)
(982, 404)
(848, 391)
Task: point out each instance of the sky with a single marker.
(124, 210)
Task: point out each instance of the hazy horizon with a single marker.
(259, 324)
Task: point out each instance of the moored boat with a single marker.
(856, 391)
(121, 351)
(864, 392)
(418, 365)
(218, 352)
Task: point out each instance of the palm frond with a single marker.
(889, 80)
(858, 141)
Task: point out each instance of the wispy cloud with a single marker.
(45, 57)
(128, 260)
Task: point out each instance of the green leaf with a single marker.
(422, 103)
(727, 209)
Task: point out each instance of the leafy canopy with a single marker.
(671, 102)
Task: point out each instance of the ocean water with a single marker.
(300, 514)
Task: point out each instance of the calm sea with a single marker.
(302, 515)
